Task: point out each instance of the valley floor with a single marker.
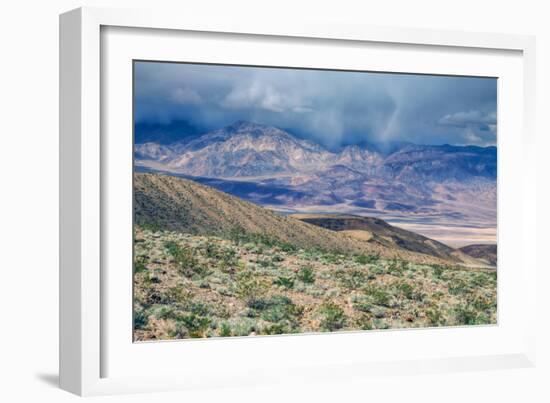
(188, 286)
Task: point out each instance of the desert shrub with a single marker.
(378, 296)
(263, 239)
(277, 258)
(265, 263)
(276, 328)
(174, 295)
(480, 280)
(211, 250)
(465, 315)
(483, 303)
(153, 297)
(408, 291)
(222, 311)
(435, 316)
(376, 270)
(198, 308)
(285, 282)
(192, 325)
(314, 292)
(362, 259)
(151, 226)
(202, 308)
(458, 287)
(352, 279)
(365, 304)
(379, 311)
(198, 272)
(405, 289)
(311, 254)
(283, 312)
(173, 248)
(396, 267)
(140, 264)
(277, 308)
(225, 291)
(331, 258)
(223, 257)
(438, 270)
(306, 275)
(184, 257)
(367, 259)
(381, 324)
(228, 258)
(259, 250)
(164, 312)
(144, 277)
(248, 285)
(364, 322)
(332, 316)
(287, 247)
(240, 236)
(140, 319)
(242, 326)
(362, 304)
(437, 295)
(333, 292)
(259, 304)
(225, 330)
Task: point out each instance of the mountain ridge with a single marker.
(290, 154)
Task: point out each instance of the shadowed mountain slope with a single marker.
(385, 234)
(487, 253)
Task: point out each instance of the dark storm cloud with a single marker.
(330, 107)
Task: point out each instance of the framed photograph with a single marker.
(243, 202)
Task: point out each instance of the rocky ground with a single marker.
(189, 286)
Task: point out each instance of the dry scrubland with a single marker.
(194, 286)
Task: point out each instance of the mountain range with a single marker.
(246, 149)
(414, 185)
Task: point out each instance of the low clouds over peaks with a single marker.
(329, 107)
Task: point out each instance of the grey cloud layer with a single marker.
(326, 106)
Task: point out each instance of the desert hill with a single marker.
(183, 205)
(486, 253)
(377, 230)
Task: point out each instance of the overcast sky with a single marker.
(329, 107)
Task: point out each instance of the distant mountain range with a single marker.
(441, 184)
(246, 149)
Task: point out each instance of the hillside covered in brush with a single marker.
(182, 205)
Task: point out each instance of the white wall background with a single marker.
(29, 209)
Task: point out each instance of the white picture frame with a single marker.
(86, 343)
